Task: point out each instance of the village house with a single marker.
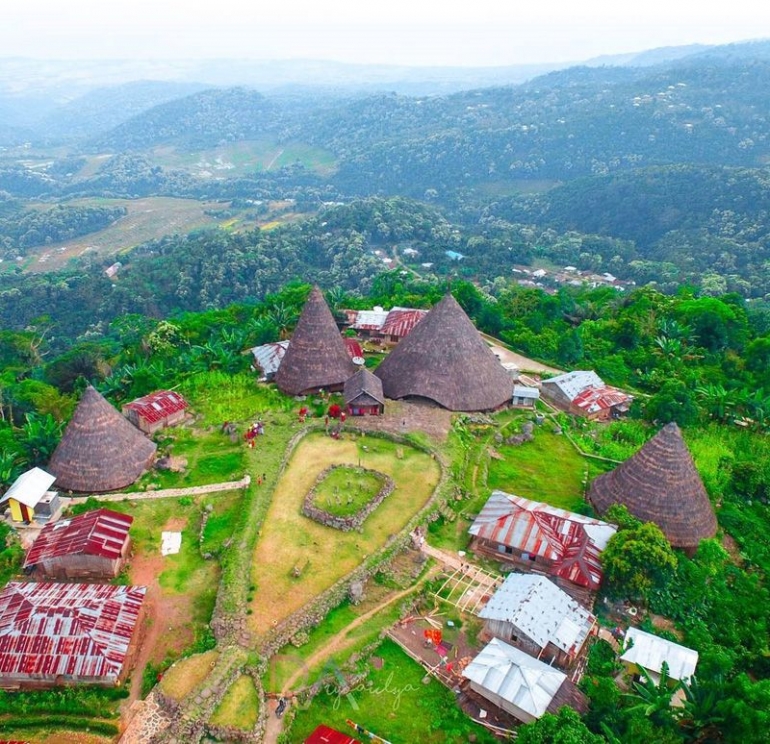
(56, 634)
(399, 323)
(100, 450)
(535, 615)
(444, 359)
(30, 498)
(268, 358)
(535, 537)
(584, 393)
(94, 545)
(524, 397)
(363, 394)
(317, 358)
(156, 410)
(325, 735)
(647, 651)
(660, 484)
(520, 684)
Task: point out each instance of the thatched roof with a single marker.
(445, 359)
(100, 450)
(660, 484)
(364, 383)
(316, 357)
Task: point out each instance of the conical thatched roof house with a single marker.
(100, 450)
(445, 359)
(660, 484)
(316, 357)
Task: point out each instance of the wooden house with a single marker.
(29, 497)
(445, 359)
(519, 684)
(156, 410)
(532, 613)
(317, 358)
(535, 537)
(57, 634)
(660, 484)
(94, 545)
(363, 394)
(100, 450)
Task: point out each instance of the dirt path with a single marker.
(511, 357)
(337, 643)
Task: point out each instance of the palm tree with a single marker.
(699, 717)
(653, 699)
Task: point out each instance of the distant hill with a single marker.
(103, 109)
(200, 120)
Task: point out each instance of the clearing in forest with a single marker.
(293, 544)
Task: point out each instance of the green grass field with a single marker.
(240, 705)
(396, 706)
(345, 491)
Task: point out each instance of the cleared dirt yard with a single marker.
(323, 554)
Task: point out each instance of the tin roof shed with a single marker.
(53, 632)
(650, 651)
(101, 532)
(29, 487)
(157, 406)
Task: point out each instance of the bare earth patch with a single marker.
(406, 416)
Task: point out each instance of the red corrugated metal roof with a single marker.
(158, 405)
(594, 399)
(73, 630)
(102, 532)
(354, 348)
(573, 542)
(401, 320)
(326, 735)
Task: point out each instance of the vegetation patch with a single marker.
(184, 676)
(394, 703)
(343, 497)
(240, 705)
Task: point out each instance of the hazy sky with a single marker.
(413, 32)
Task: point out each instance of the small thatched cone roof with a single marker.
(100, 450)
(660, 484)
(316, 357)
(445, 359)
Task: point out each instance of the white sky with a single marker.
(412, 32)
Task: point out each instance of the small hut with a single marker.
(660, 484)
(444, 359)
(647, 651)
(156, 410)
(93, 545)
(317, 357)
(363, 394)
(100, 450)
(29, 497)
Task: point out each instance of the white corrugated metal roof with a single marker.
(522, 391)
(650, 651)
(29, 487)
(370, 319)
(269, 356)
(571, 383)
(515, 676)
(540, 610)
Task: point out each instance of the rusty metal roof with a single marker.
(571, 541)
(401, 320)
(595, 399)
(71, 630)
(325, 735)
(101, 532)
(157, 405)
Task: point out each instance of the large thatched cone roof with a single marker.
(445, 359)
(100, 450)
(316, 357)
(660, 484)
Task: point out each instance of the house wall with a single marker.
(503, 704)
(555, 395)
(80, 567)
(523, 402)
(509, 633)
